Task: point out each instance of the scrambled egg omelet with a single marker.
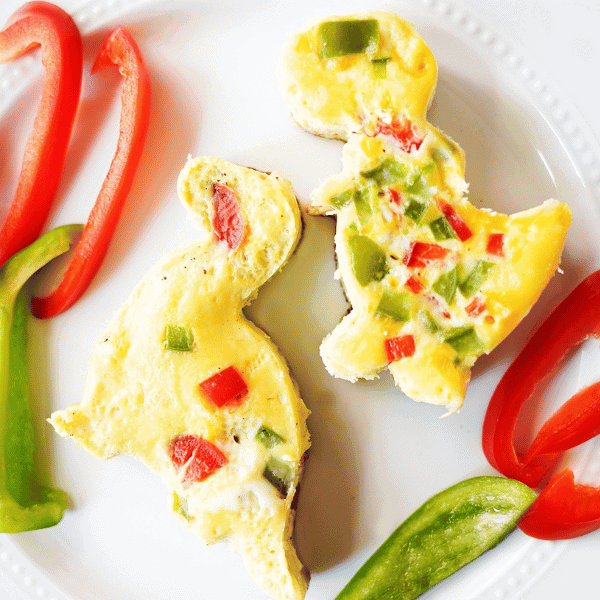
(184, 383)
(433, 281)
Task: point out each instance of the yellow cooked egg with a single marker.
(433, 281)
(184, 383)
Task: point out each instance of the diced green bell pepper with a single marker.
(279, 474)
(417, 186)
(441, 229)
(179, 338)
(362, 202)
(476, 278)
(415, 210)
(369, 262)
(429, 321)
(387, 172)
(25, 504)
(445, 285)
(341, 38)
(465, 341)
(267, 437)
(340, 200)
(395, 305)
(380, 67)
(180, 505)
(449, 531)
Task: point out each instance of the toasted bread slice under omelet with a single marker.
(433, 281)
(184, 383)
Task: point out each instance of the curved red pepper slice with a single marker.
(46, 25)
(121, 50)
(563, 510)
(572, 322)
(575, 422)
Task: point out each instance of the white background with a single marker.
(563, 39)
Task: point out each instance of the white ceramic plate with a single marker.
(376, 456)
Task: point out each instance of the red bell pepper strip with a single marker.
(225, 387)
(575, 319)
(563, 510)
(46, 25)
(121, 50)
(575, 422)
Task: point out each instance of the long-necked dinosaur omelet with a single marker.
(433, 281)
(183, 382)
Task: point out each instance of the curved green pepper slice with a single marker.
(24, 503)
(450, 530)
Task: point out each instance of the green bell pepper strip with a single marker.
(25, 505)
(450, 530)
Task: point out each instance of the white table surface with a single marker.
(563, 38)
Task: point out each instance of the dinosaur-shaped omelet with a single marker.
(184, 383)
(433, 281)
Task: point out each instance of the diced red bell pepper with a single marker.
(228, 221)
(414, 284)
(202, 458)
(495, 244)
(402, 346)
(563, 510)
(420, 254)
(403, 132)
(121, 50)
(395, 196)
(182, 448)
(462, 230)
(227, 387)
(476, 307)
(575, 319)
(46, 25)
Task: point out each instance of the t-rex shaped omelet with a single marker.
(183, 382)
(433, 281)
